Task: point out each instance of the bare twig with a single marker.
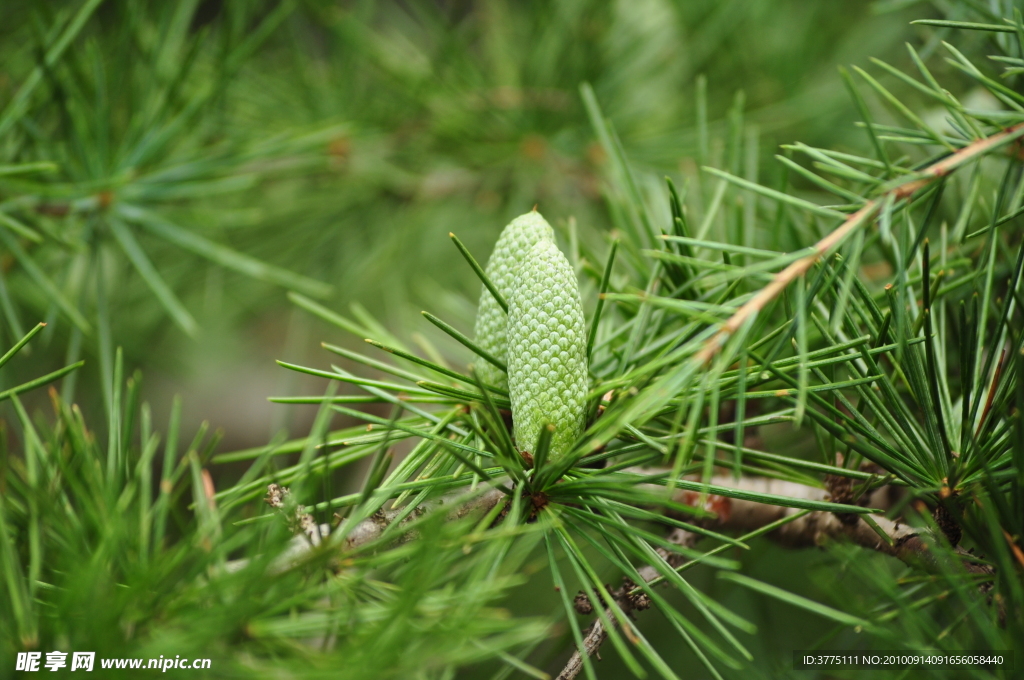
(371, 528)
(309, 535)
(628, 600)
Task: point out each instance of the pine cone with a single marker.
(547, 351)
(511, 249)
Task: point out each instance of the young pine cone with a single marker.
(512, 247)
(547, 351)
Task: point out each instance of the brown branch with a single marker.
(371, 528)
(309, 535)
(628, 600)
(797, 269)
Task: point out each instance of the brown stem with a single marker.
(309, 535)
(371, 528)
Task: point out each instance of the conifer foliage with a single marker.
(830, 360)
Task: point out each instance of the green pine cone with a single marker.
(547, 351)
(514, 243)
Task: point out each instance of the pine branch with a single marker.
(310, 535)
(907, 543)
(805, 530)
(907, 187)
(628, 601)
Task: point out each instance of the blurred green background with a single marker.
(343, 141)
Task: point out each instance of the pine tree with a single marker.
(800, 379)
